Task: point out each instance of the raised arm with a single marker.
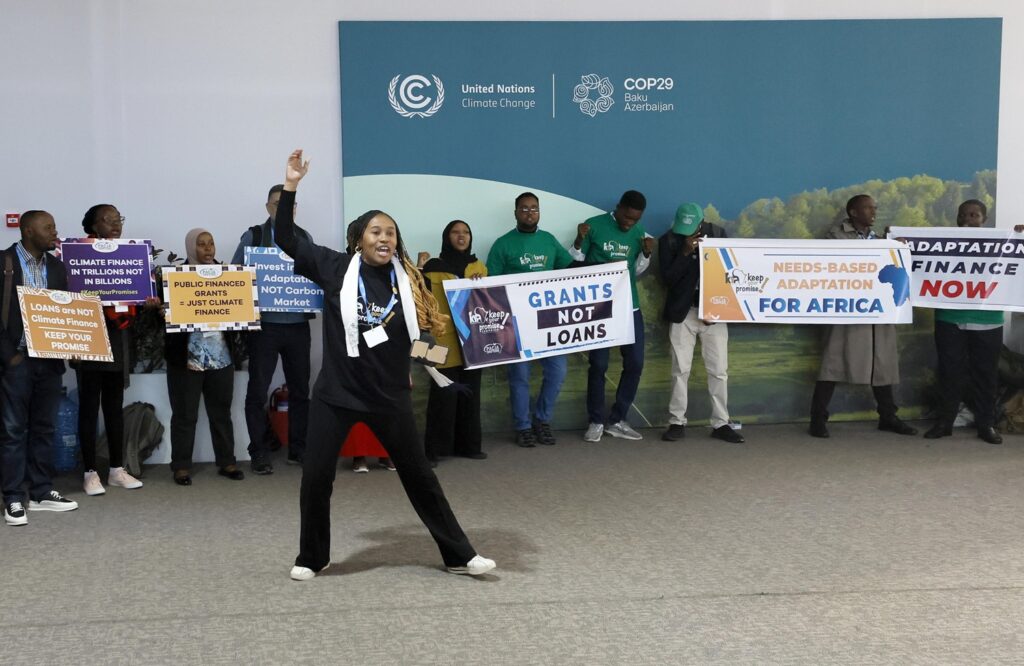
(284, 221)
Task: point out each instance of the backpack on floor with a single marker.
(142, 434)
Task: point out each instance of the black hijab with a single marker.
(451, 260)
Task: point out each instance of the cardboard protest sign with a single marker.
(117, 270)
(210, 298)
(62, 324)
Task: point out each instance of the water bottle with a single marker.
(65, 435)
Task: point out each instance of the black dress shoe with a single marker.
(818, 429)
(727, 434)
(232, 473)
(183, 479)
(990, 435)
(675, 432)
(939, 430)
(894, 424)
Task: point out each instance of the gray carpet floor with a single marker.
(864, 548)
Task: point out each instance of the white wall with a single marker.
(181, 112)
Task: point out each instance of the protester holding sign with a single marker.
(284, 334)
(202, 364)
(375, 305)
(453, 417)
(616, 236)
(678, 251)
(31, 386)
(859, 353)
(968, 344)
(527, 249)
(103, 384)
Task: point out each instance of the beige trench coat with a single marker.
(859, 353)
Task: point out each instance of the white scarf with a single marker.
(348, 299)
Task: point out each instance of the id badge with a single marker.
(375, 336)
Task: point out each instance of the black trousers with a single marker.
(291, 343)
(329, 426)
(884, 401)
(968, 368)
(96, 389)
(453, 418)
(184, 387)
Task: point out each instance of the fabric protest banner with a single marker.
(804, 281)
(510, 318)
(963, 268)
(118, 271)
(280, 289)
(211, 298)
(62, 324)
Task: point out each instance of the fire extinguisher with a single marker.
(278, 413)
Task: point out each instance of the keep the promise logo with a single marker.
(409, 101)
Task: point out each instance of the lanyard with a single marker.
(375, 321)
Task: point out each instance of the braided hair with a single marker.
(428, 315)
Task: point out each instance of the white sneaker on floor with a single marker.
(475, 567)
(594, 432)
(304, 573)
(360, 467)
(121, 478)
(623, 430)
(91, 484)
(53, 502)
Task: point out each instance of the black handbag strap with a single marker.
(8, 287)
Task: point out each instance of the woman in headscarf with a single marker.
(375, 305)
(453, 417)
(202, 363)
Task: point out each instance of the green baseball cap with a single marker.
(688, 218)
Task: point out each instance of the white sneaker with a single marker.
(594, 432)
(623, 430)
(122, 479)
(91, 484)
(475, 567)
(360, 467)
(304, 573)
(53, 502)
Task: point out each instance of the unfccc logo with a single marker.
(604, 88)
(408, 100)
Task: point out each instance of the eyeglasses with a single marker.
(527, 210)
(116, 221)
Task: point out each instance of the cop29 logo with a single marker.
(581, 94)
(408, 98)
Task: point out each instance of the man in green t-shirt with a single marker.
(527, 249)
(616, 236)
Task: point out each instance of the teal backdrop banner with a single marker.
(769, 125)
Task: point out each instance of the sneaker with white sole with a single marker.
(622, 430)
(120, 477)
(359, 466)
(304, 573)
(594, 432)
(14, 514)
(91, 484)
(53, 502)
(475, 567)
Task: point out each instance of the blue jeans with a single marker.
(629, 382)
(31, 395)
(554, 368)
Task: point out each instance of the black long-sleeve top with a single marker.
(681, 272)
